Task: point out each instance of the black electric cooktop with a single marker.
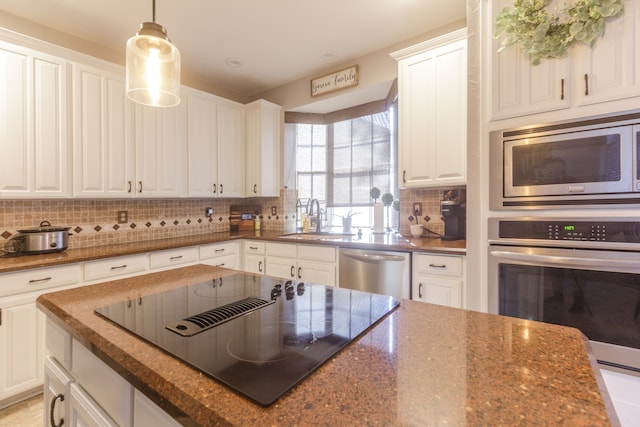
(258, 335)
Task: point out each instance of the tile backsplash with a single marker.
(95, 222)
(430, 199)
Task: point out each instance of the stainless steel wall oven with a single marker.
(581, 273)
(588, 162)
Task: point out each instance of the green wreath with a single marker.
(544, 35)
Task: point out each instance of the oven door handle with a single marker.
(566, 261)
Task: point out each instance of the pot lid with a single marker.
(45, 227)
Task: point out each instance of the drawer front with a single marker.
(283, 250)
(218, 250)
(58, 343)
(116, 267)
(173, 257)
(440, 265)
(226, 261)
(40, 278)
(253, 247)
(317, 253)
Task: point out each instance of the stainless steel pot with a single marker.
(39, 240)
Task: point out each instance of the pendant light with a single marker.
(153, 66)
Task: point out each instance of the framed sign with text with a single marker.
(339, 80)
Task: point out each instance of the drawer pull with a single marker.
(52, 409)
(219, 250)
(119, 267)
(299, 272)
(34, 281)
(128, 186)
(253, 248)
(260, 266)
(291, 273)
(437, 266)
(220, 265)
(420, 290)
(175, 258)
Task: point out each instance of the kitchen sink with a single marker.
(318, 235)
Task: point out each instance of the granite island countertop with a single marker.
(421, 365)
(368, 240)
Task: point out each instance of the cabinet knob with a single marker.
(52, 409)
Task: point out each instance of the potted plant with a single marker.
(396, 207)
(374, 193)
(346, 221)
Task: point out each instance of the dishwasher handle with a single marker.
(372, 257)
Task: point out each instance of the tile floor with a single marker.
(28, 413)
(623, 389)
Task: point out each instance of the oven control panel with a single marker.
(589, 231)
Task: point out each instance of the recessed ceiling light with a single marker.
(233, 62)
(329, 55)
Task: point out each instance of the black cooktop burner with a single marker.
(256, 334)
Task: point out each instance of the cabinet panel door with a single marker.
(85, 412)
(22, 342)
(33, 124)
(438, 290)
(103, 140)
(254, 264)
(160, 161)
(231, 151)
(57, 382)
(606, 71)
(519, 88)
(317, 272)
(202, 137)
(281, 267)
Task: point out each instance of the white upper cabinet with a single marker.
(103, 149)
(160, 151)
(518, 88)
(611, 69)
(432, 98)
(231, 150)
(608, 71)
(264, 124)
(215, 134)
(34, 134)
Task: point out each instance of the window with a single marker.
(338, 164)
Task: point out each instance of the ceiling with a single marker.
(268, 43)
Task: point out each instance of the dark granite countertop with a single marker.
(422, 365)
(388, 241)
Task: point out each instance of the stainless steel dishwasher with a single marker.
(380, 272)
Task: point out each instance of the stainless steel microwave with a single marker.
(580, 163)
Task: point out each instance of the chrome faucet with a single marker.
(318, 215)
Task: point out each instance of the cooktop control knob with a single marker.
(300, 288)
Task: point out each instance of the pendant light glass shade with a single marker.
(153, 67)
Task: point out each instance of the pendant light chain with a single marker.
(154, 11)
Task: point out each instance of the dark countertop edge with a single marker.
(70, 256)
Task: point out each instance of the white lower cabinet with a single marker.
(225, 254)
(147, 413)
(253, 256)
(21, 341)
(91, 394)
(438, 279)
(308, 263)
(56, 394)
(85, 412)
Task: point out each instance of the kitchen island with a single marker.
(421, 365)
